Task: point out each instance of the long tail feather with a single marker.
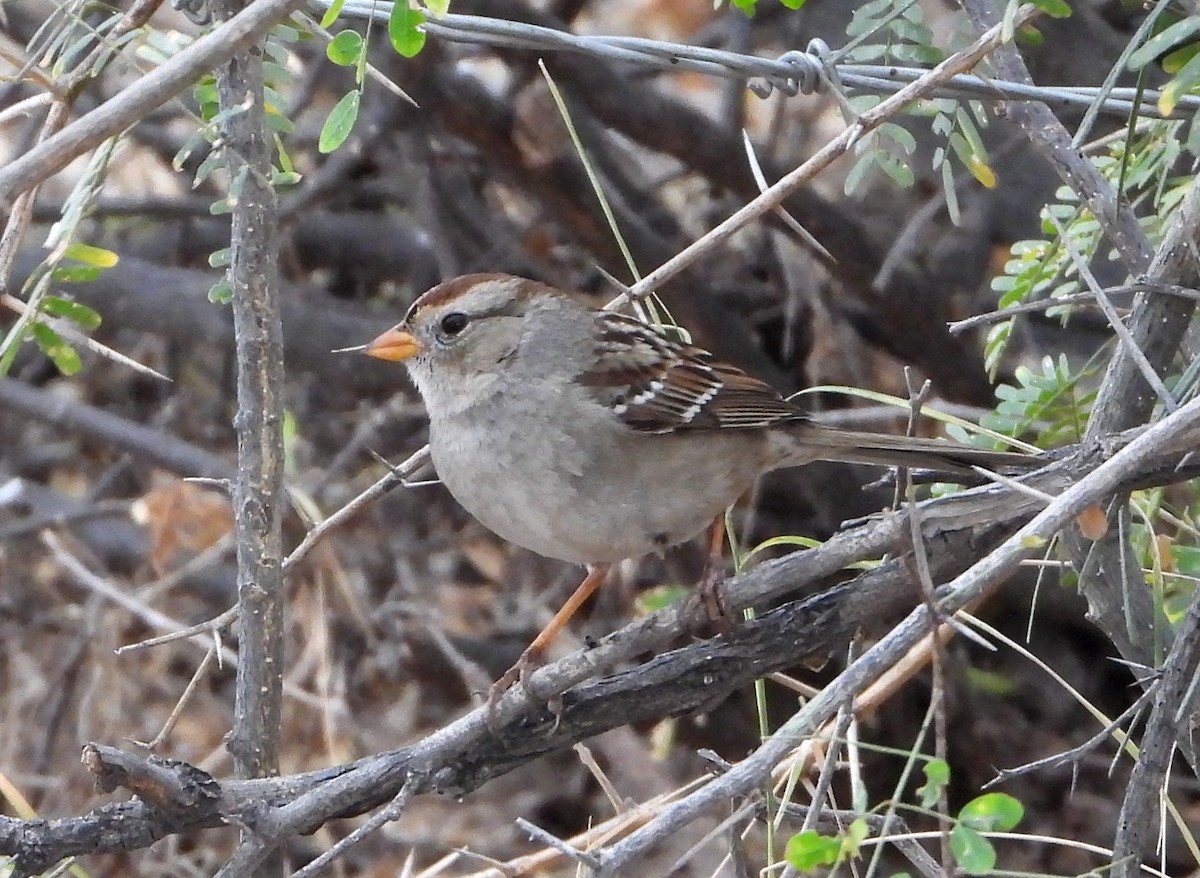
(818, 442)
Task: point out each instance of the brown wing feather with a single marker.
(657, 385)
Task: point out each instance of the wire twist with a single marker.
(814, 72)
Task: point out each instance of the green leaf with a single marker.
(1183, 82)
(214, 161)
(1177, 34)
(68, 274)
(205, 94)
(194, 142)
(331, 14)
(990, 682)
(277, 52)
(285, 160)
(345, 48)
(287, 33)
(856, 834)
(403, 29)
(220, 258)
(992, 812)
(437, 8)
(291, 433)
(1175, 61)
(280, 179)
(1186, 558)
(221, 292)
(1054, 8)
(278, 122)
(858, 173)
(951, 193)
(276, 74)
(899, 172)
(654, 599)
(982, 171)
(746, 6)
(807, 850)
(76, 312)
(340, 122)
(902, 137)
(89, 255)
(1029, 35)
(973, 853)
(937, 775)
(53, 346)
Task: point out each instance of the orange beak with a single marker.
(395, 345)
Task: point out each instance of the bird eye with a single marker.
(454, 323)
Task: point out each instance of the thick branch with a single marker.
(464, 755)
(1171, 720)
(258, 489)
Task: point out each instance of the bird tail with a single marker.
(810, 441)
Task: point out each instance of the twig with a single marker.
(70, 333)
(183, 699)
(398, 475)
(1129, 344)
(739, 815)
(839, 146)
(1088, 298)
(149, 92)
(825, 778)
(211, 626)
(536, 833)
(389, 814)
(468, 752)
(981, 579)
(1075, 754)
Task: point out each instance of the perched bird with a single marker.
(592, 437)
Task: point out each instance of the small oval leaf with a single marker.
(331, 14)
(982, 172)
(340, 123)
(59, 351)
(1054, 8)
(937, 775)
(1168, 38)
(973, 853)
(89, 255)
(345, 49)
(992, 812)
(404, 29)
(807, 850)
(221, 293)
(67, 274)
(76, 312)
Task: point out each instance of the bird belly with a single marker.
(602, 503)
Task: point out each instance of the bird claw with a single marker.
(518, 673)
(710, 594)
(529, 661)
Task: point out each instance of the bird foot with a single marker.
(530, 659)
(710, 595)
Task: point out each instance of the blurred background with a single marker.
(399, 616)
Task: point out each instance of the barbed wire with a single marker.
(794, 72)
